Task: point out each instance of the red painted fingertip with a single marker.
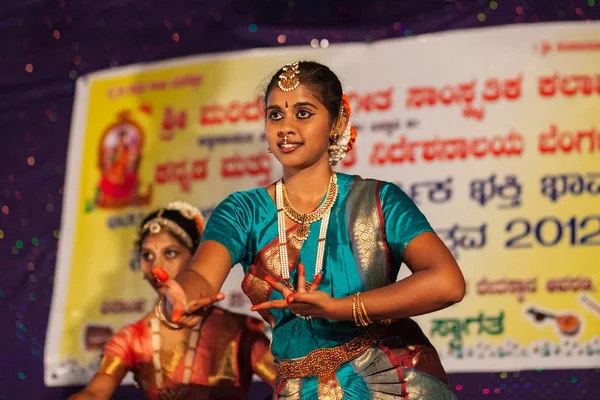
(290, 298)
(254, 308)
(318, 279)
(160, 274)
(220, 296)
(270, 280)
(176, 316)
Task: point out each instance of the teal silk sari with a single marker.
(370, 226)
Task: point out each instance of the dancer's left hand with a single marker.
(307, 302)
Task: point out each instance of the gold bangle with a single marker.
(354, 313)
(359, 320)
(364, 311)
(361, 317)
(158, 311)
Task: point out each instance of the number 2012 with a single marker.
(550, 231)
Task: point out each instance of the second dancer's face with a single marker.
(304, 120)
(163, 250)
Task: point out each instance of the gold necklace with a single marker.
(306, 219)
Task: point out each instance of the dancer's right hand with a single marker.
(178, 308)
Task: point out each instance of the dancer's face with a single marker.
(301, 117)
(163, 250)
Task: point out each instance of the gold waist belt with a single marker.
(324, 362)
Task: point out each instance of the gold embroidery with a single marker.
(329, 388)
(224, 371)
(109, 365)
(176, 355)
(291, 390)
(264, 368)
(267, 263)
(224, 362)
(324, 362)
(366, 235)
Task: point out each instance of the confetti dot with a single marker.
(493, 5)
(578, 11)
(591, 3)
(324, 43)
(31, 266)
(573, 380)
(397, 26)
(5, 210)
(368, 39)
(35, 241)
(175, 37)
(459, 387)
(515, 375)
(252, 28)
(486, 391)
(1, 234)
(56, 233)
(481, 17)
(31, 160)
(408, 32)
(15, 251)
(49, 207)
(72, 74)
(56, 35)
(519, 10)
(32, 278)
(21, 375)
(502, 375)
(188, 22)
(497, 390)
(31, 297)
(29, 67)
(19, 244)
(77, 60)
(281, 39)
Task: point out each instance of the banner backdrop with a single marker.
(493, 133)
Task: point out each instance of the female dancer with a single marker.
(213, 359)
(321, 251)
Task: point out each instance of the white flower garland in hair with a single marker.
(186, 209)
(338, 150)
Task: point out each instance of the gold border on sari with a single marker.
(365, 227)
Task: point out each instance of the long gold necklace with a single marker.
(306, 219)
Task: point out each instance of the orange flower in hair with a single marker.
(346, 104)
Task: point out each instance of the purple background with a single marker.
(46, 44)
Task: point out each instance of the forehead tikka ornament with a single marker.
(288, 79)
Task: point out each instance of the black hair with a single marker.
(321, 81)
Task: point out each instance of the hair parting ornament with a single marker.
(288, 79)
(341, 144)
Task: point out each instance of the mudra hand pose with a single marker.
(321, 252)
(214, 358)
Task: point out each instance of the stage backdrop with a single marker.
(493, 133)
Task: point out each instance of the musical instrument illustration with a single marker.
(567, 324)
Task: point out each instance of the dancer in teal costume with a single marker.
(321, 252)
